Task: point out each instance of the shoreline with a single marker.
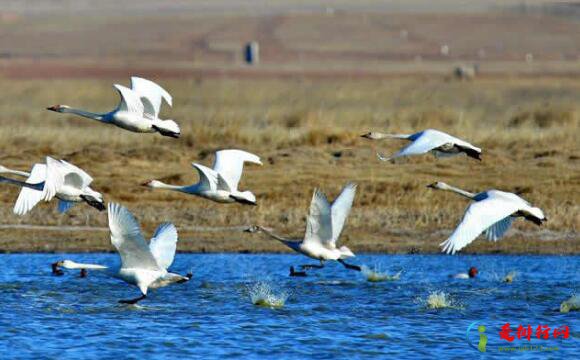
(232, 239)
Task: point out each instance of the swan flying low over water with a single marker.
(142, 265)
(491, 212)
(219, 184)
(323, 227)
(57, 178)
(138, 110)
(437, 142)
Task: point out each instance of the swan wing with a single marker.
(478, 217)
(151, 95)
(130, 100)
(55, 171)
(126, 237)
(208, 178)
(163, 244)
(28, 198)
(423, 142)
(318, 222)
(76, 176)
(498, 230)
(230, 164)
(341, 208)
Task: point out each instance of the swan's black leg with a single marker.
(133, 301)
(83, 273)
(349, 266)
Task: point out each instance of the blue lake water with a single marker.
(332, 313)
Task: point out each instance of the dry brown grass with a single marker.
(308, 134)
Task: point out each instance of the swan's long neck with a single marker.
(272, 235)
(5, 170)
(77, 266)
(162, 185)
(39, 186)
(464, 193)
(294, 245)
(83, 113)
(391, 136)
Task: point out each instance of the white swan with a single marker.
(491, 212)
(437, 142)
(142, 265)
(56, 178)
(323, 227)
(138, 110)
(219, 184)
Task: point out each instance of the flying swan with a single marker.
(57, 178)
(437, 142)
(142, 265)
(138, 110)
(491, 212)
(323, 227)
(219, 184)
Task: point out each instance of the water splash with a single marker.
(262, 294)
(510, 277)
(376, 275)
(439, 300)
(572, 304)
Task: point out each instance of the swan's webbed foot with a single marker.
(297, 273)
(186, 278)
(96, 203)
(243, 201)
(133, 301)
(166, 133)
(84, 273)
(349, 266)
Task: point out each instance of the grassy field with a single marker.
(329, 71)
(308, 134)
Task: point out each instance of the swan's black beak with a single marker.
(53, 108)
(431, 186)
(366, 136)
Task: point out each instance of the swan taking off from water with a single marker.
(57, 178)
(491, 212)
(219, 184)
(323, 227)
(437, 142)
(138, 110)
(142, 265)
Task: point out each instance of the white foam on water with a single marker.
(572, 304)
(439, 300)
(262, 294)
(510, 277)
(376, 275)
